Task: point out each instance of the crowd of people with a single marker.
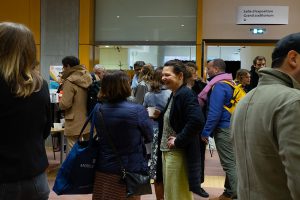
(160, 122)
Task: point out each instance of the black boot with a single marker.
(201, 192)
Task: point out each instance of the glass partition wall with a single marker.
(123, 57)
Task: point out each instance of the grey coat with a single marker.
(266, 134)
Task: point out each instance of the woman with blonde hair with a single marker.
(243, 77)
(25, 117)
(143, 86)
(158, 98)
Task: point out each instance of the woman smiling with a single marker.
(182, 123)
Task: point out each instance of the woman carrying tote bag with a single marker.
(129, 128)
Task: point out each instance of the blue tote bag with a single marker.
(76, 175)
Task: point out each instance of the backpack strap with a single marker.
(231, 83)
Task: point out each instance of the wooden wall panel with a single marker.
(26, 12)
(199, 38)
(86, 33)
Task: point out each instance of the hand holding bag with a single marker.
(136, 183)
(76, 175)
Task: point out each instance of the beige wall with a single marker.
(110, 58)
(248, 53)
(219, 20)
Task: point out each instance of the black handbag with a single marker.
(136, 183)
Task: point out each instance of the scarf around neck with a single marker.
(202, 96)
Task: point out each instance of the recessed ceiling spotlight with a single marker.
(118, 16)
(182, 25)
(106, 46)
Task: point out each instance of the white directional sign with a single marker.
(263, 15)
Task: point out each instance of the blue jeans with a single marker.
(35, 188)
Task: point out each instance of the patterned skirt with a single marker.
(154, 154)
(110, 187)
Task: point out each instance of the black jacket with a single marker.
(25, 124)
(187, 120)
(198, 86)
(254, 79)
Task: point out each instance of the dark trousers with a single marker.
(202, 151)
(35, 188)
(227, 158)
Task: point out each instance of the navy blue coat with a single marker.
(130, 127)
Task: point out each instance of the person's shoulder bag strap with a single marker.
(97, 106)
(111, 143)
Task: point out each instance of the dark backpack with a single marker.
(92, 94)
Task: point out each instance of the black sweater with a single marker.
(24, 126)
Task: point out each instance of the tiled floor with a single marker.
(213, 184)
